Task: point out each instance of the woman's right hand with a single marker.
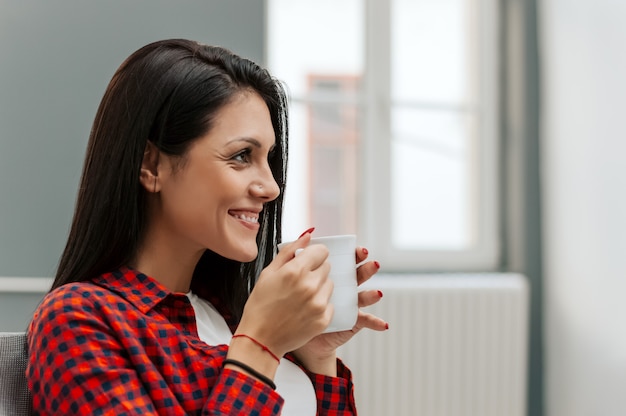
(290, 301)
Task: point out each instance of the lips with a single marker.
(247, 216)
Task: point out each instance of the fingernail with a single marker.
(309, 231)
(365, 251)
(386, 326)
(377, 264)
(380, 294)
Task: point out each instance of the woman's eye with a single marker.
(243, 156)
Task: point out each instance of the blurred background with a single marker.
(476, 147)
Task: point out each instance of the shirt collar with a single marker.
(141, 290)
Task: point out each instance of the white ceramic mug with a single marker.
(342, 258)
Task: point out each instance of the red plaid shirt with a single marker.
(125, 345)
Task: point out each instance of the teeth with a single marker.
(247, 219)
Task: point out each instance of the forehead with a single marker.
(246, 115)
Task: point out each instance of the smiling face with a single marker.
(212, 198)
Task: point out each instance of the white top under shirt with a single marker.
(293, 385)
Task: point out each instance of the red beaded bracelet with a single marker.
(259, 344)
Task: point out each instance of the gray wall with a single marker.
(584, 179)
(56, 59)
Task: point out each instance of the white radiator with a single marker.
(457, 346)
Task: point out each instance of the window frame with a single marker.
(374, 189)
(375, 152)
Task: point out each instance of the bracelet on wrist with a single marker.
(262, 377)
(263, 347)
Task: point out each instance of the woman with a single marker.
(172, 250)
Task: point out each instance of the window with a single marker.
(332, 153)
(393, 126)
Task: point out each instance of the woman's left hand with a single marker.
(319, 354)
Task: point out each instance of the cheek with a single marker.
(203, 197)
(187, 206)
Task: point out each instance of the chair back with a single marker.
(15, 399)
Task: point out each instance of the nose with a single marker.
(265, 186)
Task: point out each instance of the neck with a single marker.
(170, 264)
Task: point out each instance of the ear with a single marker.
(149, 174)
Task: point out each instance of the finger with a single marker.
(323, 293)
(361, 254)
(288, 250)
(369, 321)
(366, 271)
(369, 297)
(312, 257)
(322, 286)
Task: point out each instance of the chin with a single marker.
(243, 254)
(249, 256)
(235, 247)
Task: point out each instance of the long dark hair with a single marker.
(168, 93)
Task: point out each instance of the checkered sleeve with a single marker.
(239, 394)
(77, 366)
(83, 362)
(335, 395)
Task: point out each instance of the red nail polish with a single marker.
(365, 251)
(377, 264)
(380, 294)
(309, 231)
(386, 326)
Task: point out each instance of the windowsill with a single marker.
(381, 280)
(450, 280)
(25, 284)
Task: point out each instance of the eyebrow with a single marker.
(252, 141)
